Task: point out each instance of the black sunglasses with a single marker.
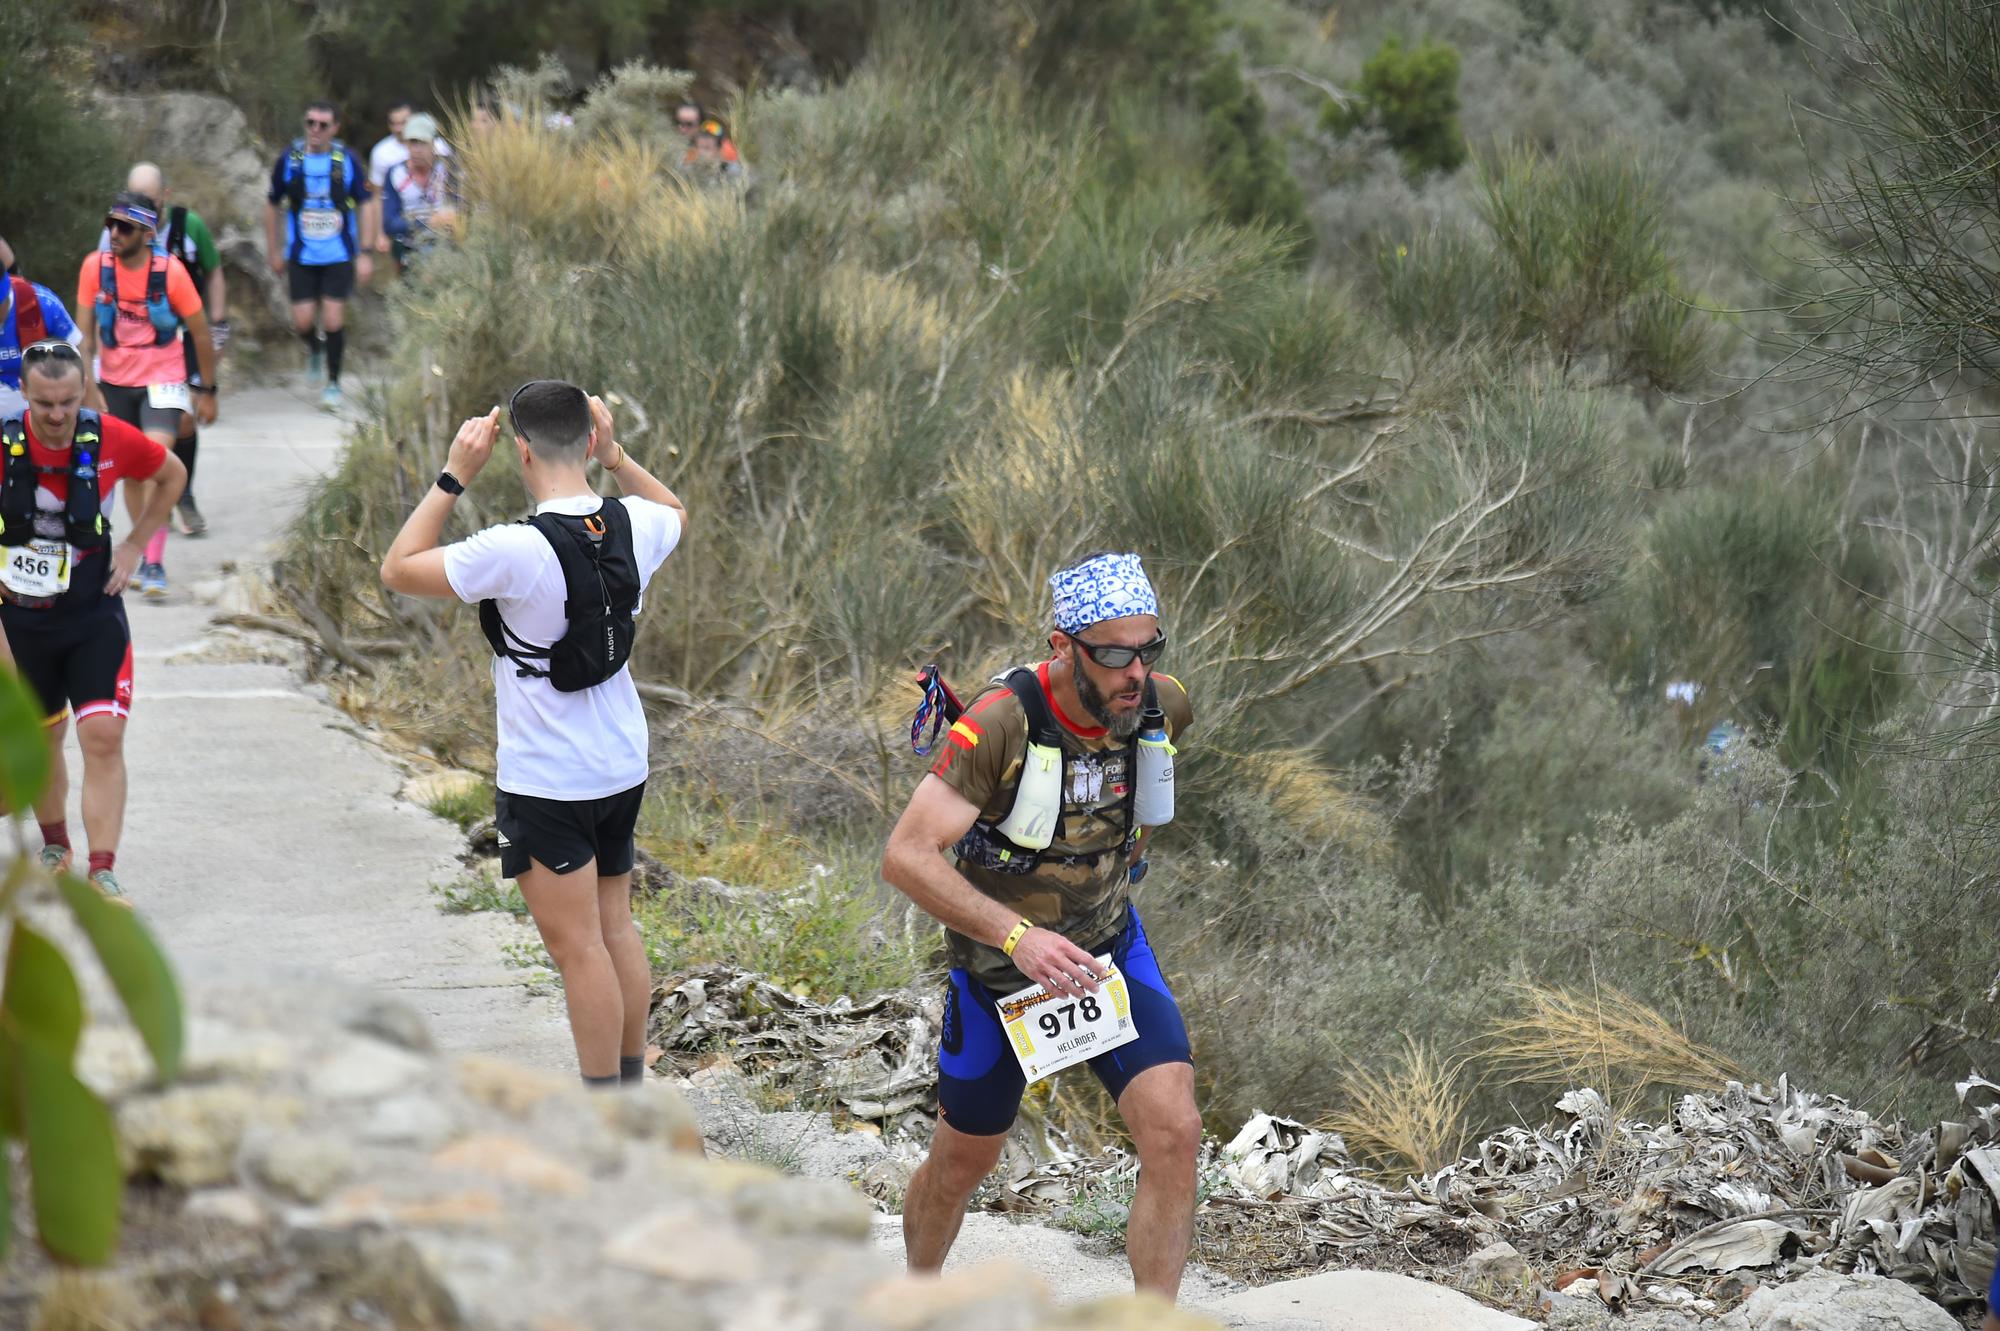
(1115, 657)
(119, 226)
(687, 124)
(313, 122)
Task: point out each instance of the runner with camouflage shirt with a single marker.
(1016, 918)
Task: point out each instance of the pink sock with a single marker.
(156, 549)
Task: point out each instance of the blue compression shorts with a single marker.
(979, 1082)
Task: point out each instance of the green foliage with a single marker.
(257, 53)
(1770, 598)
(1908, 224)
(62, 163)
(72, 1152)
(1571, 263)
(1246, 172)
(1410, 94)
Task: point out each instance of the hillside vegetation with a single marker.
(1443, 359)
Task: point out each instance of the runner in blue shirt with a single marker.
(41, 311)
(320, 224)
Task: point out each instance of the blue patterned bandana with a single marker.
(1107, 587)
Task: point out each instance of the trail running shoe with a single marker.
(329, 398)
(153, 580)
(315, 369)
(106, 882)
(192, 523)
(55, 859)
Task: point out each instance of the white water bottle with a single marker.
(1153, 796)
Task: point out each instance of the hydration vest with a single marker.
(1019, 842)
(29, 325)
(84, 523)
(177, 246)
(601, 589)
(295, 186)
(166, 324)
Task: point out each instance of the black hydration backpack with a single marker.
(601, 584)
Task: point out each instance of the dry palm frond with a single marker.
(1411, 1117)
(1605, 1038)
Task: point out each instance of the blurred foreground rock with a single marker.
(321, 1166)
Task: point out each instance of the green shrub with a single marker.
(63, 162)
(1772, 600)
(1411, 96)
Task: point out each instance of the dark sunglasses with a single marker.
(120, 227)
(49, 349)
(1114, 657)
(687, 124)
(314, 122)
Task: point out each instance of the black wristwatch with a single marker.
(209, 389)
(450, 484)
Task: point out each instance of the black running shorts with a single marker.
(74, 662)
(564, 835)
(320, 281)
(131, 406)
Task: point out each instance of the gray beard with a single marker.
(1121, 728)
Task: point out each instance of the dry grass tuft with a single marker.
(1303, 791)
(604, 197)
(1413, 1116)
(1604, 1038)
(89, 1301)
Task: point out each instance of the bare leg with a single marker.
(565, 910)
(53, 806)
(934, 1207)
(1159, 1109)
(102, 739)
(628, 959)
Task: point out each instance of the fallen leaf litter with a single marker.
(1748, 1185)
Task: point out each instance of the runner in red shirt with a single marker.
(61, 580)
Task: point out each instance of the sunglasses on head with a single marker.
(1114, 656)
(49, 349)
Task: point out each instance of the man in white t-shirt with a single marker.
(572, 759)
(390, 148)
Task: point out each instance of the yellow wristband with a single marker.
(1014, 939)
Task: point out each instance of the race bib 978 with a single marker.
(1049, 1032)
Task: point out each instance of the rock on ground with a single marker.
(1360, 1301)
(1076, 1268)
(337, 1170)
(1825, 1301)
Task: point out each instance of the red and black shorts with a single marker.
(74, 663)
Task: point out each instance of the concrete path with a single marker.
(264, 837)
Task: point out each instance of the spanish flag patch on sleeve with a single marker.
(965, 733)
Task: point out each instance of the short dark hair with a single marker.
(51, 359)
(326, 106)
(553, 415)
(400, 104)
